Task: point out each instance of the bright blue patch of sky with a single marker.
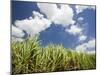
(56, 33)
(89, 18)
(22, 10)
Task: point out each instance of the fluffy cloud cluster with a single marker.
(87, 47)
(58, 14)
(80, 19)
(82, 37)
(74, 30)
(32, 25)
(16, 32)
(37, 23)
(62, 15)
(80, 8)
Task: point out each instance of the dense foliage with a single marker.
(29, 57)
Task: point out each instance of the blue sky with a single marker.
(57, 32)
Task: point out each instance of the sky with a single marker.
(73, 26)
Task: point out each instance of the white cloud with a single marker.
(86, 47)
(33, 25)
(80, 19)
(63, 15)
(82, 47)
(80, 8)
(48, 9)
(74, 30)
(82, 37)
(91, 43)
(16, 32)
(37, 14)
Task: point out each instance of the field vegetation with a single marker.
(30, 57)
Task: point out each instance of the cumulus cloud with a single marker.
(16, 32)
(34, 24)
(62, 15)
(82, 37)
(87, 46)
(80, 8)
(80, 19)
(48, 9)
(91, 43)
(74, 30)
(37, 23)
